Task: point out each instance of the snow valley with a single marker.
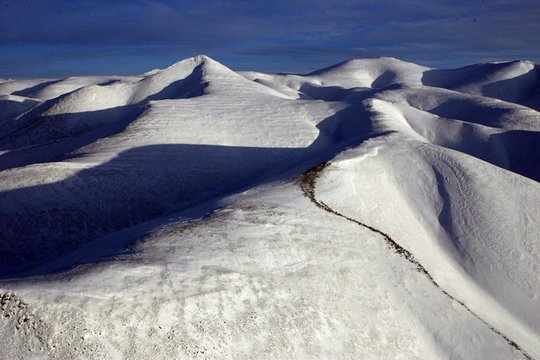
(375, 209)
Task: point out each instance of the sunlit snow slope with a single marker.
(375, 209)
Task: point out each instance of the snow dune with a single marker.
(106, 183)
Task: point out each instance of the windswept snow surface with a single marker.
(166, 215)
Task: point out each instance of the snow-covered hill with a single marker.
(374, 209)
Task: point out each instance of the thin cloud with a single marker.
(290, 32)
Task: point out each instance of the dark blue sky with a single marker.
(52, 38)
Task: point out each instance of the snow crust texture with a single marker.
(375, 209)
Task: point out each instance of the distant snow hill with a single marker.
(372, 209)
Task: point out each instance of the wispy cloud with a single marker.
(272, 35)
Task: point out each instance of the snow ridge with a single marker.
(98, 173)
(307, 182)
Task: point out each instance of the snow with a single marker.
(162, 215)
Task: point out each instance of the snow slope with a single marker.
(165, 214)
